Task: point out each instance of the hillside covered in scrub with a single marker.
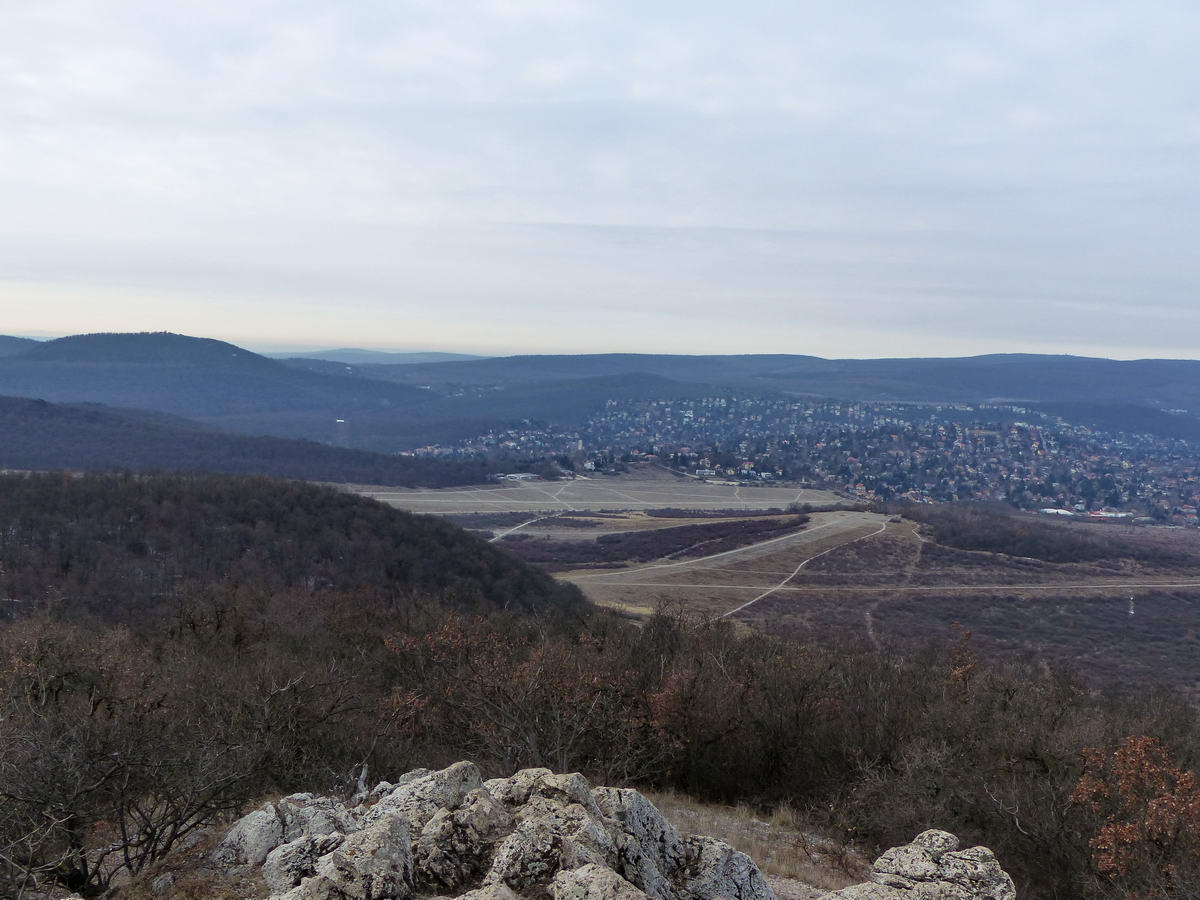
(94, 438)
(131, 550)
(173, 650)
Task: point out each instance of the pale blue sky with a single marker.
(842, 179)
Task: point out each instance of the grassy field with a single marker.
(865, 577)
(642, 490)
(717, 584)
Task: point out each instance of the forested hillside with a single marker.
(10, 345)
(127, 549)
(35, 434)
(196, 378)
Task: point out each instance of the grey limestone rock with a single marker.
(372, 864)
(289, 864)
(419, 799)
(249, 841)
(253, 837)
(490, 892)
(455, 846)
(650, 851)
(514, 791)
(593, 882)
(933, 868)
(718, 872)
(532, 835)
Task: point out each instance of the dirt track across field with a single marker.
(728, 570)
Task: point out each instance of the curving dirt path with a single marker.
(507, 532)
(882, 528)
(801, 535)
(910, 572)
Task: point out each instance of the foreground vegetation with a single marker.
(181, 647)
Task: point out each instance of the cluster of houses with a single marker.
(881, 452)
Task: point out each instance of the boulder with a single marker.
(248, 842)
(933, 868)
(651, 850)
(490, 892)
(455, 846)
(419, 799)
(592, 882)
(289, 864)
(514, 791)
(372, 864)
(718, 872)
(530, 856)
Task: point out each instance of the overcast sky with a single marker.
(842, 179)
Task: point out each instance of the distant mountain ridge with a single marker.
(151, 347)
(1009, 377)
(216, 382)
(10, 345)
(358, 356)
(394, 406)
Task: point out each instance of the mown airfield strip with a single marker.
(599, 496)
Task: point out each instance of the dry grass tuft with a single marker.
(779, 843)
(185, 875)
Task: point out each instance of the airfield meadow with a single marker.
(647, 489)
(735, 552)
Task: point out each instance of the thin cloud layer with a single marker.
(560, 175)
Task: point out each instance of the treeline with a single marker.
(40, 435)
(656, 543)
(998, 529)
(287, 655)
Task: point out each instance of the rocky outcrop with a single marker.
(449, 834)
(933, 868)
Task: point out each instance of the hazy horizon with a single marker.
(564, 176)
(271, 348)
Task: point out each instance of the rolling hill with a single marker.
(1016, 377)
(11, 345)
(88, 437)
(125, 549)
(1158, 396)
(356, 356)
(212, 381)
(224, 386)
